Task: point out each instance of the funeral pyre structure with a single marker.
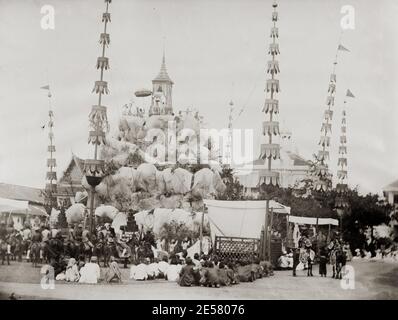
(156, 158)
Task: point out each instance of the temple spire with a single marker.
(51, 175)
(270, 150)
(342, 173)
(162, 91)
(322, 175)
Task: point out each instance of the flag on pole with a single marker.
(349, 94)
(47, 87)
(342, 48)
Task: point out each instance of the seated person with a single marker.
(173, 270)
(188, 275)
(209, 275)
(223, 276)
(162, 267)
(139, 272)
(267, 268)
(72, 271)
(153, 269)
(113, 272)
(232, 273)
(195, 260)
(245, 272)
(91, 272)
(283, 261)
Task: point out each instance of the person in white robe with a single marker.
(139, 272)
(91, 272)
(173, 271)
(153, 269)
(163, 266)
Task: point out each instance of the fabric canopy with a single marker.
(239, 218)
(311, 220)
(8, 205)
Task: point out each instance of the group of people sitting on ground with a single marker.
(200, 270)
(71, 270)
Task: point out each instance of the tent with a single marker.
(239, 218)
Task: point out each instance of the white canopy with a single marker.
(8, 205)
(311, 220)
(239, 218)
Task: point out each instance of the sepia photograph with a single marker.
(198, 151)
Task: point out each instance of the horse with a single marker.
(98, 250)
(35, 253)
(16, 248)
(341, 259)
(109, 250)
(55, 248)
(4, 252)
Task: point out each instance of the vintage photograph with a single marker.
(198, 150)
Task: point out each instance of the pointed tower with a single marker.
(270, 150)
(322, 176)
(51, 175)
(94, 168)
(341, 186)
(228, 152)
(162, 92)
(341, 202)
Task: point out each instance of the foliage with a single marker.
(233, 190)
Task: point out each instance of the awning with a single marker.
(9, 205)
(239, 218)
(311, 220)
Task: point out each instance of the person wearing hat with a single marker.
(91, 272)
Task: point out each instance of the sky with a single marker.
(216, 51)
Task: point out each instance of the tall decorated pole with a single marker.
(51, 175)
(94, 168)
(228, 152)
(323, 177)
(341, 202)
(270, 150)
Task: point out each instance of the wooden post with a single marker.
(92, 222)
(329, 233)
(270, 234)
(265, 257)
(201, 230)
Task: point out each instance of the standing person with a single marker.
(310, 260)
(296, 260)
(323, 258)
(26, 239)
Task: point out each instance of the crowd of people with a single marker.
(336, 253)
(200, 270)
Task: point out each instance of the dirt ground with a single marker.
(373, 280)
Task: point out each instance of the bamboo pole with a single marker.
(270, 233)
(201, 230)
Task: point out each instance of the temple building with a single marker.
(162, 92)
(291, 166)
